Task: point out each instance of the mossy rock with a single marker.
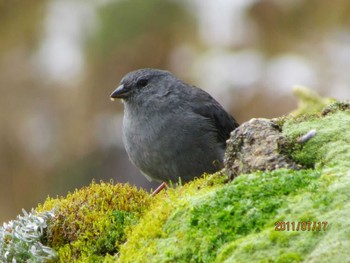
(240, 221)
(280, 215)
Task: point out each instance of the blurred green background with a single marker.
(60, 60)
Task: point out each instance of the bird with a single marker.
(172, 131)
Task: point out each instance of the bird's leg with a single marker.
(160, 188)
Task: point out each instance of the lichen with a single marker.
(257, 145)
(21, 240)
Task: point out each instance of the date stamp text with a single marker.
(301, 226)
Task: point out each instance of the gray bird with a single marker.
(171, 130)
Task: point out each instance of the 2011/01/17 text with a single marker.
(301, 226)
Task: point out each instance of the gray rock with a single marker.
(257, 145)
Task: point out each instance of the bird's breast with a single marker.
(144, 134)
(172, 145)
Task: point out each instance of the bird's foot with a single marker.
(160, 188)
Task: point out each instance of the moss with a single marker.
(142, 240)
(329, 147)
(236, 222)
(285, 246)
(210, 220)
(90, 223)
(335, 107)
(196, 227)
(309, 101)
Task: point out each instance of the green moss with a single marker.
(196, 227)
(208, 220)
(142, 239)
(329, 147)
(296, 246)
(335, 107)
(236, 222)
(90, 223)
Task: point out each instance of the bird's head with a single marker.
(141, 82)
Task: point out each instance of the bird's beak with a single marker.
(119, 93)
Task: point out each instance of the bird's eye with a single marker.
(142, 82)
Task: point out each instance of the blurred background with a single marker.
(61, 59)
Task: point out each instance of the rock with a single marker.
(257, 145)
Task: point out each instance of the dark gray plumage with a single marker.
(172, 129)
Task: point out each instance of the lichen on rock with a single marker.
(257, 145)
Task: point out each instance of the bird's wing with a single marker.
(208, 107)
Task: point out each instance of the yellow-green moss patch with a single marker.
(90, 223)
(309, 101)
